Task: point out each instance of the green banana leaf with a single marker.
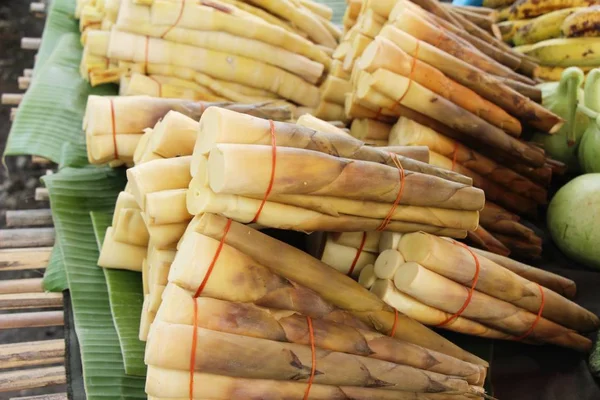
(51, 113)
(60, 20)
(74, 193)
(126, 297)
(55, 277)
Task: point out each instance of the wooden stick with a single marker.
(31, 319)
(30, 43)
(32, 378)
(16, 218)
(13, 113)
(11, 99)
(41, 194)
(37, 7)
(17, 355)
(54, 396)
(13, 286)
(24, 82)
(28, 72)
(483, 239)
(26, 237)
(30, 300)
(40, 160)
(24, 258)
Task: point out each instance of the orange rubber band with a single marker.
(471, 290)
(313, 368)
(454, 154)
(358, 252)
(537, 318)
(388, 218)
(214, 260)
(395, 325)
(114, 129)
(274, 163)
(176, 21)
(410, 75)
(146, 55)
(193, 353)
(159, 85)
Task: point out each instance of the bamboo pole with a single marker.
(31, 319)
(340, 290)
(41, 194)
(437, 291)
(26, 354)
(15, 301)
(11, 99)
(485, 240)
(28, 43)
(13, 286)
(364, 129)
(55, 396)
(24, 258)
(41, 217)
(26, 237)
(455, 262)
(419, 153)
(32, 378)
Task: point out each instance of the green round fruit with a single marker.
(574, 219)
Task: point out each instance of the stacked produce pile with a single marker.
(425, 277)
(425, 74)
(557, 34)
(242, 51)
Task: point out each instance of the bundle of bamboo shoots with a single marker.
(241, 304)
(425, 276)
(330, 193)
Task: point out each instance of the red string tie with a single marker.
(395, 324)
(358, 253)
(388, 218)
(538, 316)
(114, 128)
(313, 368)
(273, 165)
(176, 21)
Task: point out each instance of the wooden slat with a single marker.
(24, 82)
(20, 301)
(28, 354)
(19, 259)
(28, 43)
(40, 160)
(28, 72)
(12, 286)
(32, 378)
(11, 99)
(26, 237)
(54, 396)
(41, 194)
(31, 319)
(37, 7)
(22, 218)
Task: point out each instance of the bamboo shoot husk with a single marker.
(482, 83)
(342, 257)
(130, 227)
(367, 277)
(288, 326)
(408, 132)
(437, 291)
(531, 248)
(264, 15)
(385, 290)
(101, 149)
(164, 87)
(513, 229)
(387, 264)
(485, 240)
(340, 290)
(330, 111)
(383, 53)
(419, 153)
(496, 219)
(532, 92)
(145, 178)
(167, 207)
(221, 126)
(136, 19)
(552, 281)
(118, 255)
(130, 47)
(354, 239)
(275, 215)
(174, 385)
(334, 89)
(312, 122)
(493, 191)
(206, 18)
(455, 262)
(363, 129)
(175, 136)
(354, 179)
(413, 96)
(169, 346)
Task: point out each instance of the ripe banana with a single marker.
(523, 9)
(509, 28)
(584, 22)
(554, 73)
(565, 52)
(544, 27)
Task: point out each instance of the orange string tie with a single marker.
(313, 368)
(196, 295)
(411, 74)
(114, 128)
(146, 55)
(395, 325)
(454, 154)
(378, 113)
(388, 218)
(471, 290)
(176, 21)
(537, 318)
(273, 165)
(158, 84)
(358, 253)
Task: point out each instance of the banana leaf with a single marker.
(51, 113)
(126, 297)
(55, 277)
(74, 193)
(60, 20)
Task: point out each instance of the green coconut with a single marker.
(588, 152)
(573, 216)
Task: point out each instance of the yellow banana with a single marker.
(565, 52)
(508, 28)
(584, 22)
(554, 73)
(523, 9)
(497, 3)
(544, 27)
(503, 14)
